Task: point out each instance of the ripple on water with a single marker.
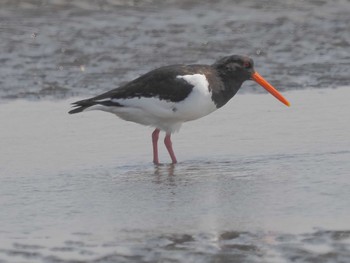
(228, 246)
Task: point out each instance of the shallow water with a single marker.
(264, 183)
(256, 181)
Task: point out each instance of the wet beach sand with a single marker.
(256, 181)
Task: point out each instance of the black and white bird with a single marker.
(166, 97)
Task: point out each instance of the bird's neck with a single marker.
(230, 86)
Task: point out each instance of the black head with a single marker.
(236, 67)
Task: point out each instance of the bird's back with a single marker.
(162, 83)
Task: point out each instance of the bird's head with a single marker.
(241, 68)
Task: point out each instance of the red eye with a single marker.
(246, 64)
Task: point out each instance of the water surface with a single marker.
(262, 183)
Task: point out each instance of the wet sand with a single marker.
(256, 182)
(61, 48)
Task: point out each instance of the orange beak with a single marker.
(260, 80)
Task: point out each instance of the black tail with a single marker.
(81, 105)
(84, 104)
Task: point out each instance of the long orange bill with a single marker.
(260, 80)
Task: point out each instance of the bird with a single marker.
(166, 97)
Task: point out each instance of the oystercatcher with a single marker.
(166, 97)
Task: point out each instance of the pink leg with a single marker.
(155, 136)
(168, 144)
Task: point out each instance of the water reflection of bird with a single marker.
(166, 97)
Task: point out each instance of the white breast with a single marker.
(199, 102)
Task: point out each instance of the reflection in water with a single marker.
(164, 170)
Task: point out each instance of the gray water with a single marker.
(256, 181)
